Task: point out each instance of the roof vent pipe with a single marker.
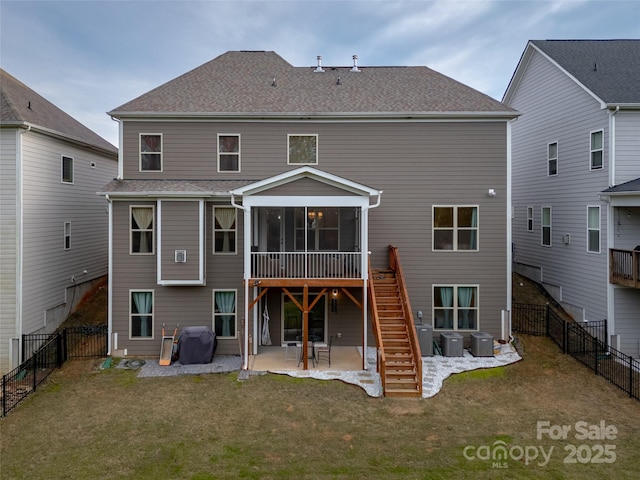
(319, 67)
(355, 64)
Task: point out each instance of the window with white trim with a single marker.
(455, 307)
(455, 228)
(141, 314)
(67, 235)
(593, 229)
(151, 152)
(67, 169)
(552, 159)
(597, 150)
(529, 219)
(546, 226)
(302, 149)
(224, 313)
(224, 230)
(141, 228)
(228, 153)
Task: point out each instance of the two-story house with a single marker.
(576, 185)
(249, 184)
(53, 228)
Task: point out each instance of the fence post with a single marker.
(59, 352)
(595, 353)
(4, 395)
(630, 358)
(565, 337)
(65, 343)
(35, 371)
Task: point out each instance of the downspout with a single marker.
(245, 275)
(19, 244)
(610, 222)
(364, 261)
(120, 154)
(110, 334)
(506, 330)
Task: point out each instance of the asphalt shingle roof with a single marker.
(609, 68)
(167, 187)
(241, 82)
(21, 105)
(627, 187)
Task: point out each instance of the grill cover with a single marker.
(196, 345)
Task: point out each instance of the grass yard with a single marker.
(88, 423)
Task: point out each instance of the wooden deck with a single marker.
(624, 267)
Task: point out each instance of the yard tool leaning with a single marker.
(166, 348)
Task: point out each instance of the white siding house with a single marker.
(576, 154)
(54, 228)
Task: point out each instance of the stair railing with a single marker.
(394, 264)
(375, 320)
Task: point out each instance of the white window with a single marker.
(302, 149)
(455, 228)
(141, 237)
(455, 307)
(546, 226)
(228, 153)
(593, 229)
(224, 313)
(529, 219)
(151, 152)
(597, 150)
(141, 314)
(67, 235)
(224, 230)
(552, 159)
(67, 169)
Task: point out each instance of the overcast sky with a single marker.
(90, 56)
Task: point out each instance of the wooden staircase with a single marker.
(402, 376)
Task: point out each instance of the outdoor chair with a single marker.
(324, 351)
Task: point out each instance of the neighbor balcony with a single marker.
(624, 267)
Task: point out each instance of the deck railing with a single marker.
(396, 266)
(306, 264)
(377, 330)
(624, 267)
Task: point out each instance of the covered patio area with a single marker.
(277, 358)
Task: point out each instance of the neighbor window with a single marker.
(141, 314)
(141, 230)
(455, 228)
(224, 230)
(224, 313)
(529, 219)
(546, 226)
(455, 307)
(67, 169)
(228, 153)
(303, 149)
(150, 152)
(593, 229)
(552, 159)
(597, 149)
(67, 235)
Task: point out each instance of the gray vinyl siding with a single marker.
(555, 109)
(47, 204)
(628, 320)
(416, 164)
(306, 187)
(8, 242)
(183, 305)
(180, 231)
(627, 146)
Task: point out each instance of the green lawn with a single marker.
(88, 423)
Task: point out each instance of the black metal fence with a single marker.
(585, 341)
(45, 353)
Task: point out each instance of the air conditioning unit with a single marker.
(181, 256)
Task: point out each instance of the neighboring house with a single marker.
(53, 229)
(249, 183)
(576, 178)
